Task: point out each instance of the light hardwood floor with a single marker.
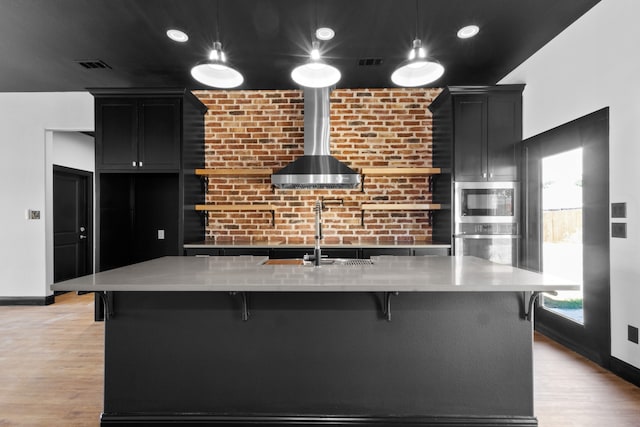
(51, 363)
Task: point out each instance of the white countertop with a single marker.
(388, 273)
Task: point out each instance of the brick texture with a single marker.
(369, 127)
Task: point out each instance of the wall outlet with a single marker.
(619, 229)
(632, 334)
(618, 210)
(160, 234)
(33, 214)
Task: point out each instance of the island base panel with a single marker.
(443, 357)
(202, 420)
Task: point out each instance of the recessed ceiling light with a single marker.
(468, 31)
(177, 35)
(325, 33)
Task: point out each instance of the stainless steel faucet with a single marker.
(317, 252)
(319, 207)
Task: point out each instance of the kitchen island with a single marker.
(420, 341)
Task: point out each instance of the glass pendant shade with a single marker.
(215, 72)
(315, 73)
(418, 70)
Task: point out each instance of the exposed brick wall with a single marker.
(369, 127)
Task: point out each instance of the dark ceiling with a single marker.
(42, 40)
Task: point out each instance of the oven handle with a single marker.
(486, 236)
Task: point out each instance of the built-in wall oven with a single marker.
(486, 221)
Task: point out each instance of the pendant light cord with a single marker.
(313, 30)
(417, 15)
(217, 20)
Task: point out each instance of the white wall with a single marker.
(591, 65)
(73, 150)
(25, 121)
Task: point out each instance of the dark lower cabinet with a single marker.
(139, 218)
(369, 252)
(431, 251)
(202, 252)
(245, 251)
(287, 253)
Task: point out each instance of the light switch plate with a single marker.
(160, 234)
(619, 229)
(632, 334)
(618, 210)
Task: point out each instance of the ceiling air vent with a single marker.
(96, 64)
(367, 62)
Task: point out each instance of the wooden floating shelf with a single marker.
(234, 172)
(230, 208)
(398, 172)
(399, 207)
(231, 172)
(235, 208)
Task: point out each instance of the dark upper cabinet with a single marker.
(470, 142)
(159, 133)
(476, 131)
(116, 133)
(504, 132)
(138, 134)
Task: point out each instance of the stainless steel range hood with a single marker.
(317, 169)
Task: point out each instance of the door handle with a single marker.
(82, 236)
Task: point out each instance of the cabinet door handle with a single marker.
(140, 164)
(484, 175)
(133, 164)
(491, 175)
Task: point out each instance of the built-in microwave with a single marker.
(486, 202)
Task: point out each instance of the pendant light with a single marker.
(418, 69)
(215, 71)
(316, 73)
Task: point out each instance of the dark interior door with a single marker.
(590, 134)
(71, 223)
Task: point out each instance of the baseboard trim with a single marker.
(625, 371)
(616, 366)
(27, 300)
(304, 421)
(573, 346)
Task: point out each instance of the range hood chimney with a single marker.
(317, 169)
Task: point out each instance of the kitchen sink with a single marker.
(324, 261)
(343, 261)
